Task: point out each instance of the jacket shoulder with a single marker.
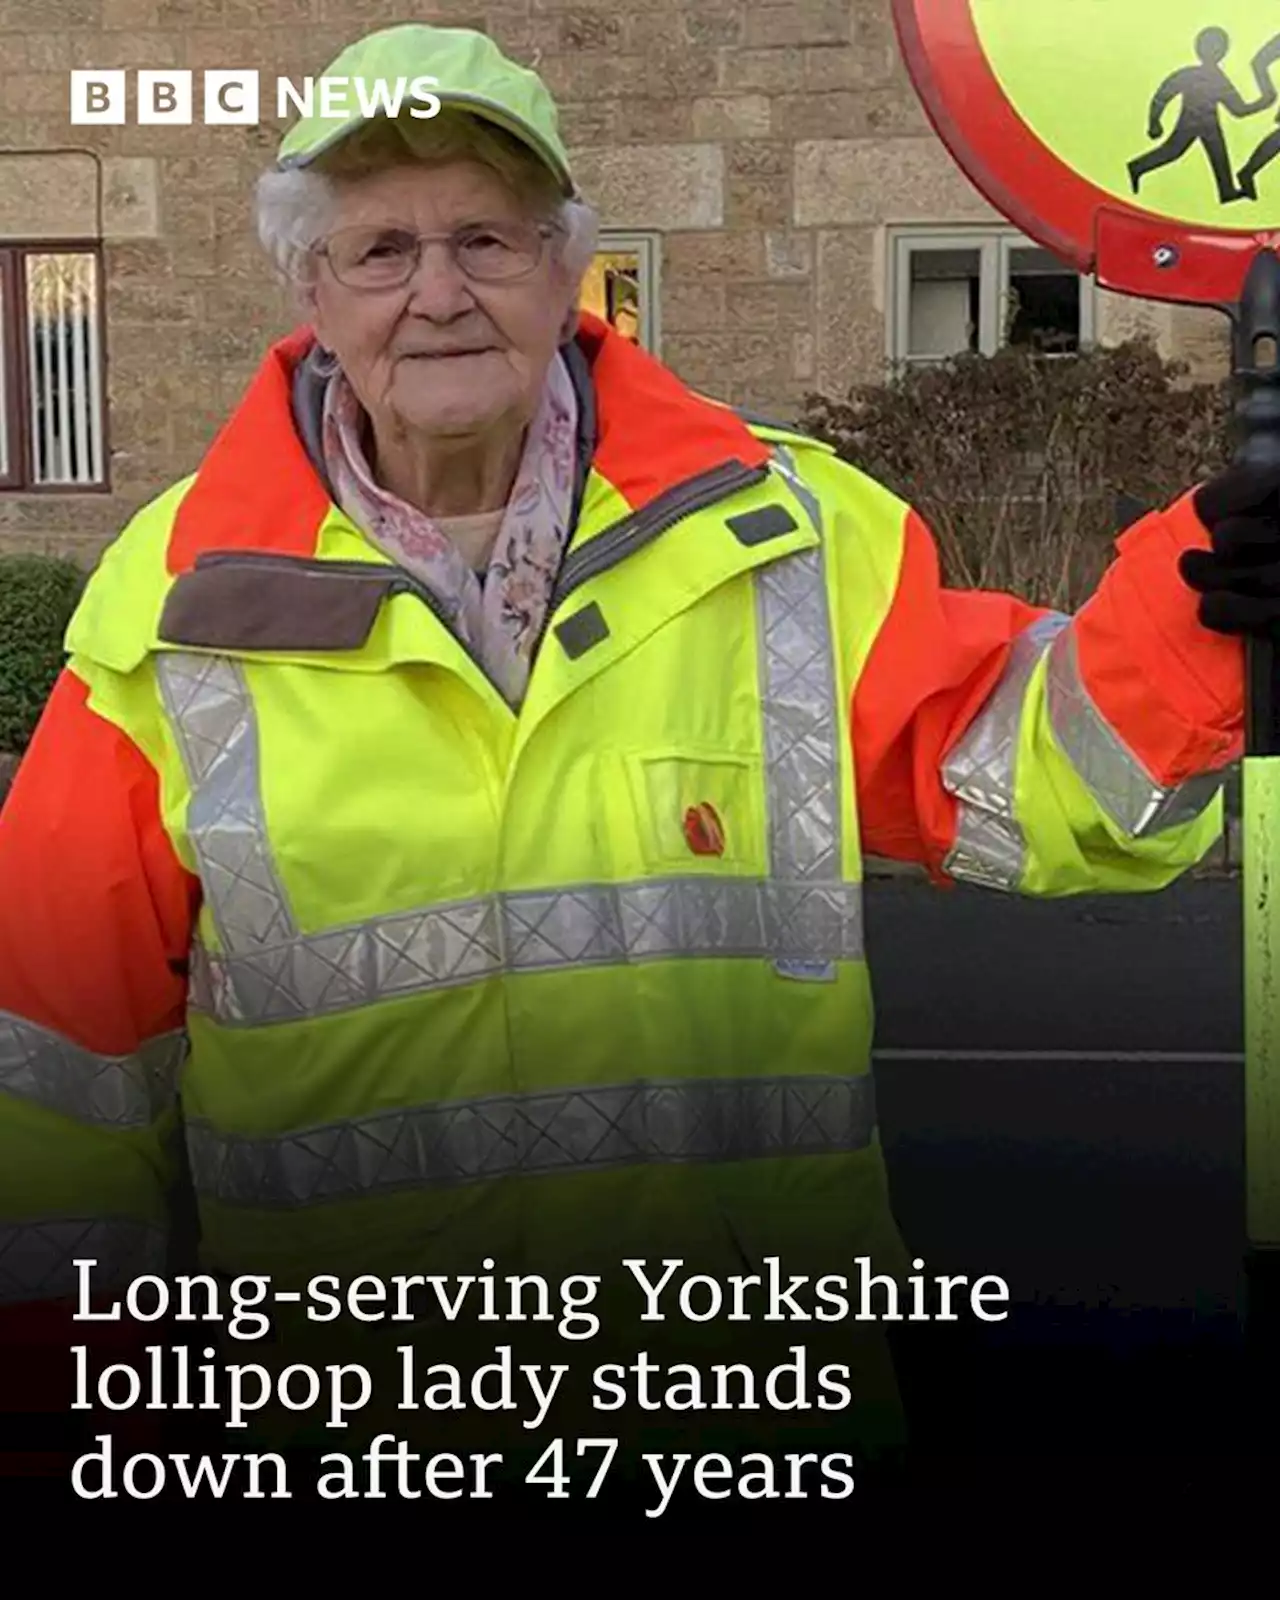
(770, 431)
(114, 624)
(837, 483)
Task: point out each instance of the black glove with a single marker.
(1239, 579)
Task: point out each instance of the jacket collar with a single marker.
(261, 488)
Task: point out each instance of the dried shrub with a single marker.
(1026, 467)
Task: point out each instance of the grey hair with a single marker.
(294, 209)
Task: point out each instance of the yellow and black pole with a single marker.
(1257, 365)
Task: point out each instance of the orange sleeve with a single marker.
(96, 916)
(96, 911)
(1169, 689)
(1173, 690)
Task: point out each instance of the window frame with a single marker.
(647, 248)
(18, 475)
(994, 246)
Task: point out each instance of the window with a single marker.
(52, 433)
(621, 286)
(960, 290)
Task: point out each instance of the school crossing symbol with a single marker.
(1205, 92)
(1113, 128)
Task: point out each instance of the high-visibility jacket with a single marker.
(437, 981)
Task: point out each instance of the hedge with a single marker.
(37, 596)
(1027, 469)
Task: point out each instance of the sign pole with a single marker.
(1257, 366)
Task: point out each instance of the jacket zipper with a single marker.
(632, 533)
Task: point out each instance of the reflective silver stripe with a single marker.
(982, 771)
(803, 723)
(36, 1258)
(735, 1119)
(784, 462)
(114, 1091)
(212, 712)
(798, 698)
(1114, 776)
(591, 925)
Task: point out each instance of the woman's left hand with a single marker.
(1238, 577)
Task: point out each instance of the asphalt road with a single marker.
(1061, 1098)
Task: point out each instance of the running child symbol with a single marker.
(1205, 90)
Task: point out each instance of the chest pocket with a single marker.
(699, 809)
(742, 777)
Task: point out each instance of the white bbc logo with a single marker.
(164, 97)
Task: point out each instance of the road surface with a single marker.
(1061, 1097)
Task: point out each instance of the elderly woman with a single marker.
(450, 824)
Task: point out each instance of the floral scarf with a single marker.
(499, 619)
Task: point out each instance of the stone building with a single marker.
(779, 219)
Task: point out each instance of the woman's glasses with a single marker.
(386, 258)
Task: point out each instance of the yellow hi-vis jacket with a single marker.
(438, 982)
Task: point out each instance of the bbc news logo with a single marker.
(232, 97)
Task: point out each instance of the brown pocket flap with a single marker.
(241, 606)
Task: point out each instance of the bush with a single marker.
(1020, 463)
(37, 597)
